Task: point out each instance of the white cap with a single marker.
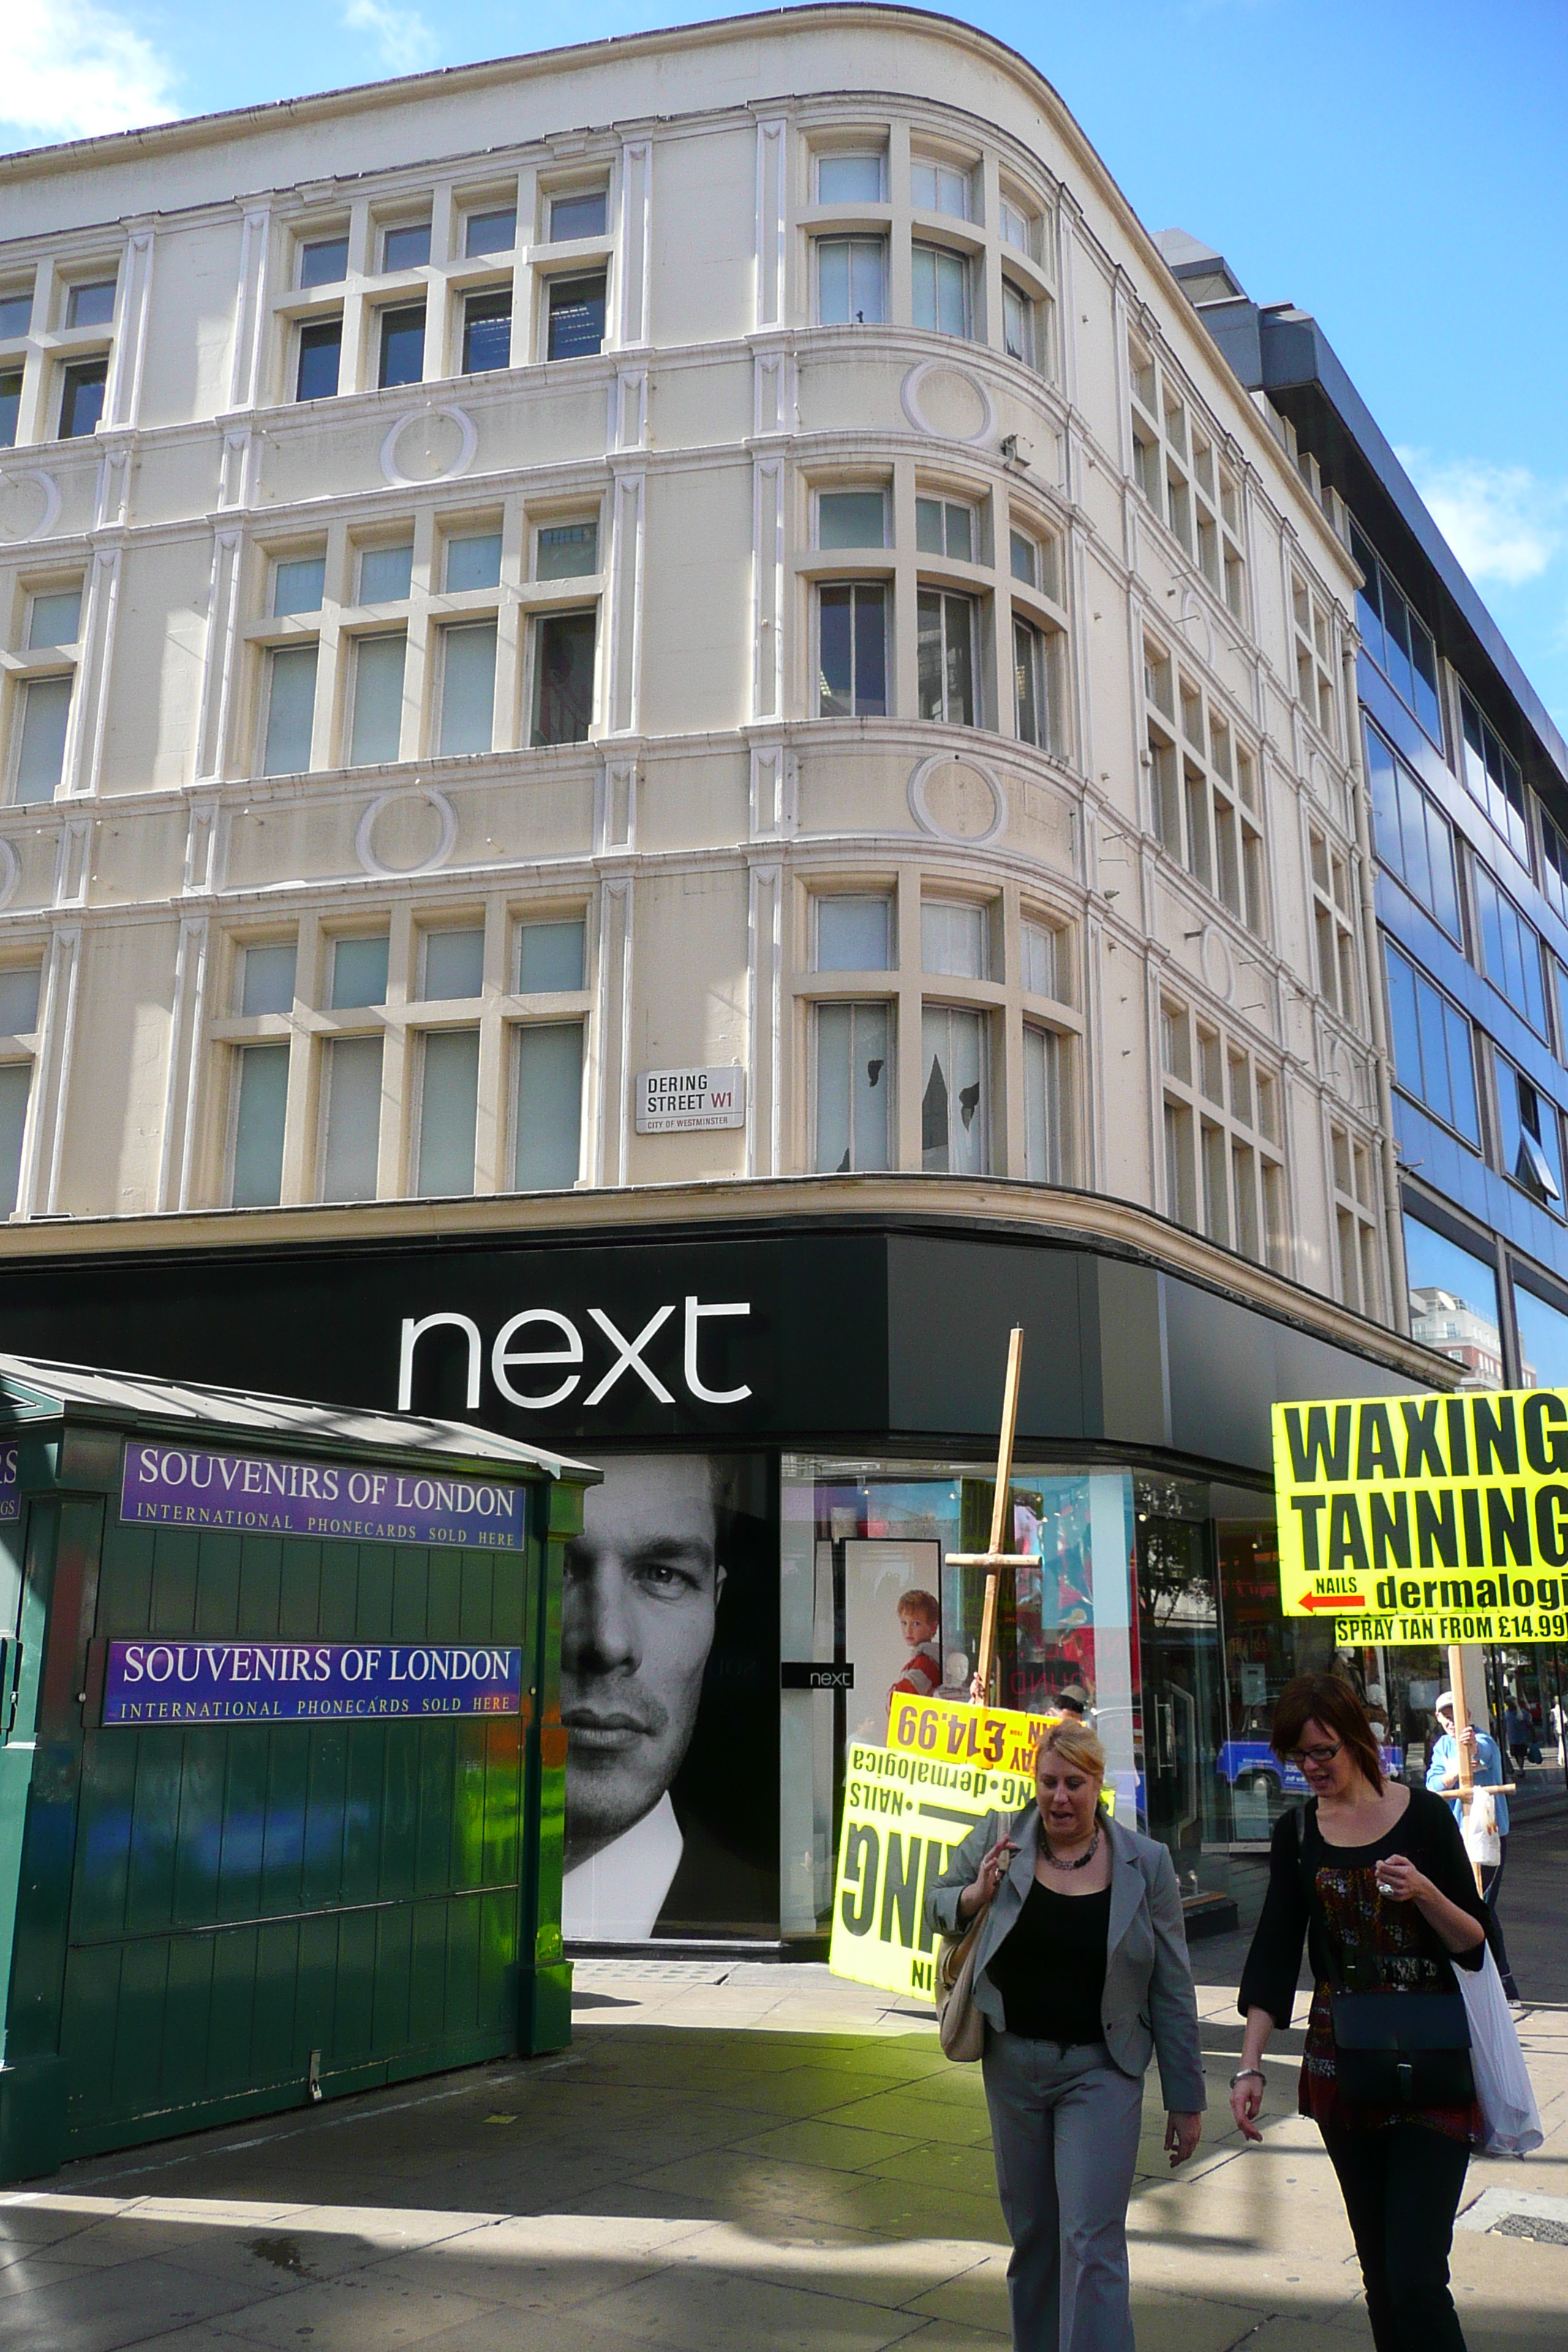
(1445, 1702)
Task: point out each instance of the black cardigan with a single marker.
(1426, 1832)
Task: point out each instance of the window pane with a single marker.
(291, 708)
(940, 284)
(473, 562)
(1042, 1106)
(1404, 1029)
(578, 215)
(959, 668)
(835, 650)
(40, 754)
(1396, 637)
(1383, 786)
(448, 1107)
(931, 532)
(81, 401)
(1413, 836)
(19, 999)
(298, 585)
(491, 232)
(870, 652)
(833, 281)
(1423, 661)
(928, 654)
(359, 972)
(1017, 325)
(385, 574)
(468, 688)
(324, 263)
(378, 699)
(548, 1107)
(960, 525)
(1429, 1016)
(262, 1078)
(91, 306)
(55, 618)
(567, 551)
(849, 180)
(1038, 958)
(1462, 1073)
(402, 347)
(407, 248)
(266, 979)
(16, 1084)
(1452, 1301)
(564, 683)
(1024, 557)
(15, 316)
(852, 1087)
(353, 1117)
(1369, 620)
(320, 345)
(954, 939)
(576, 328)
(851, 518)
(1542, 1340)
(454, 965)
(549, 957)
(954, 1113)
(10, 407)
(487, 334)
(1028, 675)
(851, 286)
(853, 934)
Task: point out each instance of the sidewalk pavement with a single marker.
(755, 2155)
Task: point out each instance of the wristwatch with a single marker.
(1242, 2072)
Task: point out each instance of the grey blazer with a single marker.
(1149, 2009)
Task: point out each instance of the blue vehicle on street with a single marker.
(1252, 1764)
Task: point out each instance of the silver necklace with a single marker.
(1084, 1859)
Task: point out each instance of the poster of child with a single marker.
(920, 1625)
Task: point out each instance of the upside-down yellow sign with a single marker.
(1427, 1519)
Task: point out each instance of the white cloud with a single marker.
(403, 38)
(1502, 522)
(73, 70)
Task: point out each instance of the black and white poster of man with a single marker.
(669, 1697)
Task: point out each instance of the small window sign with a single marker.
(677, 1102)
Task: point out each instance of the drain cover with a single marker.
(1531, 2225)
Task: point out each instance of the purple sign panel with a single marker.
(10, 1501)
(300, 1682)
(269, 1494)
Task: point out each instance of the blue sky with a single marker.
(1398, 166)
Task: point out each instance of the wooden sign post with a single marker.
(1462, 1724)
(994, 1559)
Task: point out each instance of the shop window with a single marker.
(290, 710)
(548, 1097)
(575, 317)
(359, 972)
(487, 334)
(583, 214)
(405, 248)
(1433, 1055)
(260, 1105)
(955, 1109)
(566, 550)
(298, 582)
(1511, 950)
(467, 686)
(851, 518)
(377, 727)
(956, 939)
(563, 678)
(402, 347)
(449, 1111)
(473, 561)
(1045, 1158)
(1542, 1340)
(267, 978)
(854, 934)
(83, 383)
(320, 351)
(851, 280)
(324, 261)
(550, 957)
(941, 289)
(945, 625)
(1530, 1136)
(386, 573)
(1453, 1302)
(854, 1086)
(43, 718)
(489, 232)
(1412, 839)
(852, 649)
(352, 1139)
(849, 179)
(453, 966)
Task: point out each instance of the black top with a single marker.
(1427, 1833)
(1049, 1967)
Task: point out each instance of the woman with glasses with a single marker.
(1373, 1876)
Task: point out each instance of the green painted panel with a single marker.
(315, 1993)
(138, 2027)
(244, 1818)
(203, 1773)
(187, 2019)
(272, 2010)
(444, 1610)
(427, 1972)
(155, 1828)
(497, 1963)
(373, 1621)
(461, 1991)
(174, 1579)
(217, 1585)
(321, 1868)
(410, 1592)
(260, 1585)
(362, 1812)
(125, 1584)
(102, 1874)
(228, 2019)
(299, 1592)
(433, 1857)
(341, 1617)
(400, 1811)
(283, 1833)
(394, 1953)
(354, 2022)
(92, 2002)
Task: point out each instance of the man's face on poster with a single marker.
(642, 1585)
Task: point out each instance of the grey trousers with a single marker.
(1064, 2124)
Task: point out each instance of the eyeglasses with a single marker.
(1299, 1756)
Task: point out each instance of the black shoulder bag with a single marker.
(1394, 2049)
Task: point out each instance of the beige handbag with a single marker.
(961, 2027)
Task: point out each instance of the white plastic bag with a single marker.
(1482, 1842)
(1503, 2082)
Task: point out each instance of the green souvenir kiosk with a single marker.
(283, 1778)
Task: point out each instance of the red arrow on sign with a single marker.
(1351, 1601)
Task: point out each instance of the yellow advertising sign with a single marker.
(962, 1734)
(1427, 1519)
(904, 1814)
